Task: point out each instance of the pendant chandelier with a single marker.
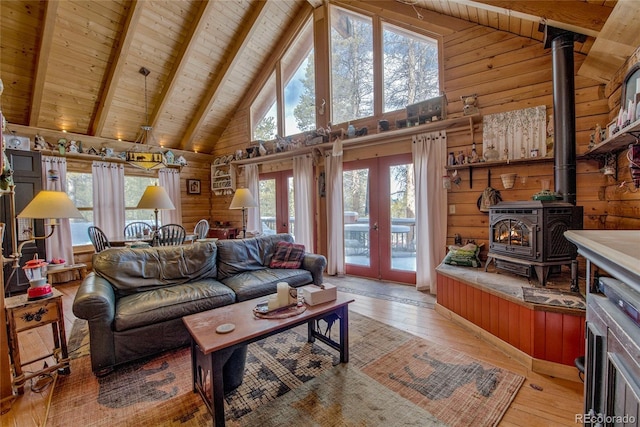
(147, 160)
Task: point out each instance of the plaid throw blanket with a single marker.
(287, 255)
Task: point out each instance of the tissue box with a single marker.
(314, 295)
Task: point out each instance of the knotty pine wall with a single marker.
(508, 72)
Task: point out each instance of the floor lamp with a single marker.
(243, 199)
(156, 198)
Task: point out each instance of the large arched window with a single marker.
(292, 111)
(409, 60)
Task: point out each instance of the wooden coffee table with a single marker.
(211, 350)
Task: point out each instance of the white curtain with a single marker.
(514, 134)
(108, 197)
(335, 211)
(429, 153)
(254, 224)
(170, 180)
(303, 200)
(59, 244)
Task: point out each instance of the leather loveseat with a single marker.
(134, 299)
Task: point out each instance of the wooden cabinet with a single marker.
(27, 176)
(612, 347)
(612, 370)
(223, 178)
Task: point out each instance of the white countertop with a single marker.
(616, 251)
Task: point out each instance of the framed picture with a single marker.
(193, 186)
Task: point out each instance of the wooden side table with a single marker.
(223, 232)
(81, 269)
(23, 315)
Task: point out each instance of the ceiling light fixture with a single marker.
(146, 159)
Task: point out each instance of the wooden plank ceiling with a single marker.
(74, 64)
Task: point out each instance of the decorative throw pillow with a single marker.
(287, 255)
(466, 255)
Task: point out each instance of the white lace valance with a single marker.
(519, 132)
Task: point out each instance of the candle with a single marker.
(283, 294)
(272, 302)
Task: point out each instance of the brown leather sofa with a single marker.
(135, 299)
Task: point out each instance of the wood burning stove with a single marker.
(528, 236)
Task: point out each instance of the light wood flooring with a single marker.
(542, 400)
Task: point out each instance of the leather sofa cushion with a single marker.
(259, 283)
(241, 255)
(170, 302)
(139, 270)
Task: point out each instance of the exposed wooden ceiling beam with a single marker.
(617, 41)
(248, 28)
(199, 22)
(46, 40)
(580, 17)
(406, 13)
(117, 66)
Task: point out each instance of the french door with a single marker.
(276, 202)
(379, 218)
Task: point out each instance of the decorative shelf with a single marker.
(85, 156)
(457, 123)
(528, 160)
(497, 163)
(617, 142)
(223, 178)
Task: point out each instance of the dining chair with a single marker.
(201, 229)
(137, 229)
(169, 235)
(98, 239)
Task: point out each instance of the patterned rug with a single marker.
(554, 297)
(392, 378)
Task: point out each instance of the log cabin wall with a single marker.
(622, 210)
(508, 72)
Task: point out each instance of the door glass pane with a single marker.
(356, 217)
(403, 220)
(268, 205)
(291, 206)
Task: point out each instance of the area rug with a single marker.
(554, 297)
(384, 290)
(392, 378)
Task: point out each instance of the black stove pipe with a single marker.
(564, 110)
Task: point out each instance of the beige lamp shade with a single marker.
(50, 204)
(243, 199)
(155, 197)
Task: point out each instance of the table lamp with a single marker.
(156, 198)
(52, 205)
(243, 199)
